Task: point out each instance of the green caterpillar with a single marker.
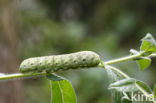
(60, 62)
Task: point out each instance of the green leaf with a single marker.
(125, 85)
(143, 87)
(133, 51)
(143, 63)
(114, 76)
(54, 77)
(154, 90)
(148, 45)
(61, 90)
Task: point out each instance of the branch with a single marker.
(24, 75)
(21, 75)
(127, 58)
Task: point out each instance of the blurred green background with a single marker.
(30, 28)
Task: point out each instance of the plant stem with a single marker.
(20, 75)
(23, 75)
(127, 58)
(103, 65)
(153, 55)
